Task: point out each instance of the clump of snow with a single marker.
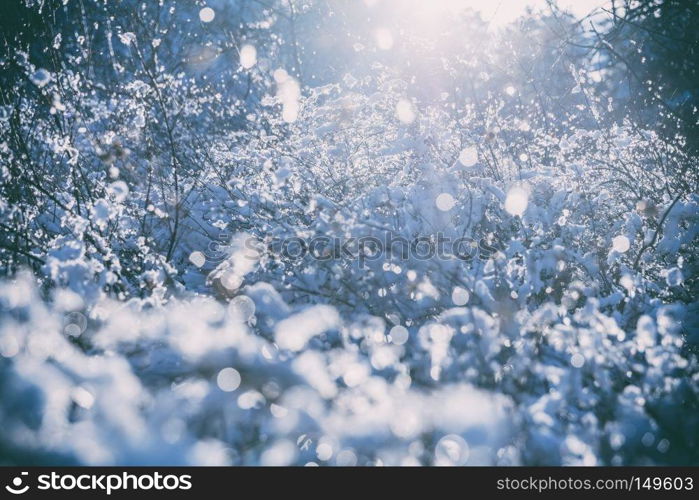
(127, 38)
(294, 332)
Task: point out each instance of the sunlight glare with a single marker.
(496, 13)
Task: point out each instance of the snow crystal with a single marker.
(621, 244)
(468, 157)
(384, 39)
(355, 374)
(197, 258)
(459, 296)
(242, 307)
(248, 56)
(289, 93)
(324, 451)
(627, 282)
(405, 111)
(451, 450)
(230, 280)
(76, 321)
(645, 332)
(384, 357)
(663, 445)
(40, 77)
(510, 90)
(119, 189)
(445, 202)
(127, 38)
(228, 379)
(399, 334)
(208, 452)
(577, 360)
(294, 332)
(268, 301)
(250, 399)
(674, 277)
(101, 213)
(406, 425)
(280, 75)
(72, 330)
(242, 257)
(9, 346)
(278, 411)
(207, 14)
(290, 112)
(516, 201)
(279, 454)
(524, 126)
(648, 439)
(346, 458)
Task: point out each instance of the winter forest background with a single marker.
(349, 232)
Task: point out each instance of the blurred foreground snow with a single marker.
(190, 383)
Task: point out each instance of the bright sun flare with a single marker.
(495, 12)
